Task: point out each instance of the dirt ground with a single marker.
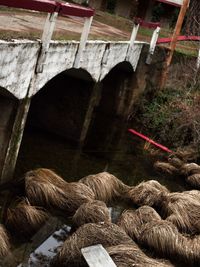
(28, 24)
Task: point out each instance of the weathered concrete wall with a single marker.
(18, 60)
(146, 77)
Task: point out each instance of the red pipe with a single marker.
(164, 148)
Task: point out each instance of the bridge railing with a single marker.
(138, 22)
(54, 8)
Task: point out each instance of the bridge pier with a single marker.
(94, 100)
(13, 132)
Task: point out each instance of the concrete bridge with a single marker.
(49, 72)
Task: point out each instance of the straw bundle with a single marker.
(131, 221)
(24, 220)
(4, 242)
(190, 168)
(107, 234)
(148, 193)
(194, 180)
(43, 190)
(105, 186)
(91, 212)
(163, 238)
(131, 255)
(183, 210)
(176, 162)
(165, 167)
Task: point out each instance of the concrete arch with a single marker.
(6, 93)
(112, 107)
(41, 80)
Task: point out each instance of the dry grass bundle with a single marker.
(61, 195)
(107, 234)
(183, 210)
(24, 220)
(190, 168)
(187, 153)
(105, 186)
(148, 193)
(45, 175)
(131, 221)
(91, 212)
(4, 242)
(163, 238)
(165, 167)
(131, 255)
(194, 180)
(176, 162)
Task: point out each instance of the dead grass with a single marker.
(4, 242)
(148, 193)
(107, 234)
(131, 221)
(105, 186)
(45, 188)
(91, 212)
(24, 220)
(163, 238)
(131, 255)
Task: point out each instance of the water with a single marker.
(119, 153)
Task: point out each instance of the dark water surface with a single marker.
(119, 153)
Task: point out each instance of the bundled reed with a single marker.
(4, 242)
(183, 210)
(105, 186)
(194, 180)
(131, 255)
(107, 234)
(165, 167)
(24, 220)
(164, 239)
(148, 193)
(190, 169)
(45, 188)
(91, 212)
(131, 221)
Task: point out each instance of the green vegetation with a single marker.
(172, 115)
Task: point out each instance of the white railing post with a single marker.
(133, 38)
(153, 44)
(134, 34)
(46, 39)
(83, 40)
(198, 60)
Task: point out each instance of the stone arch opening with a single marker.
(54, 122)
(112, 108)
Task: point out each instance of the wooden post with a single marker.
(153, 44)
(46, 39)
(83, 40)
(173, 43)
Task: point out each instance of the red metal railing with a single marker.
(146, 24)
(50, 6)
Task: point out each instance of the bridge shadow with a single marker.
(110, 115)
(54, 122)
